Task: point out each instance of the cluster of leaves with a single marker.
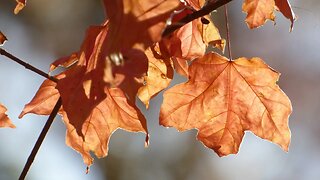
(221, 99)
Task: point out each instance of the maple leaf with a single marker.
(94, 110)
(222, 99)
(192, 39)
(261, 10)
(3, 38)
(159, 75)
(47, 95)
(187, 42)
(285, 8)
(142, 20)
(20, 5)
(258, 11)
(4, 120)
(110, 114)
(89, 69)
(44, 100)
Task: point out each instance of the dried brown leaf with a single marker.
(159, 76)
(20, 5)
(3, 38)
(142, 20)
(4, 120)
(258, 12)
(285, 8)
(222, 99)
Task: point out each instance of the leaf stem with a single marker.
(228, 31)
(206, 9)
(26, 65)
(40, 139)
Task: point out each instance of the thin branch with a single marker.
(50, 119)
(40, 139)
(228, 31)
(206, 9)
(26, 65)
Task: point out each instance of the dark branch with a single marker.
(40, 139)
(50, 119)
(208, 8)
(26, 65)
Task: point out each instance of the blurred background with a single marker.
(46, 30)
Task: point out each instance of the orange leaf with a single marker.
(187, 42)
(3, 38)
(93, 111)
(4, 120)
(159, 76)
(210, 34)
(258, 12)
(20, 5)
(47, 95)
(222, 99)
(191, 40)
(196, 4)
(64, 61)
(130, 75)
(142, 20)
(104, 118)
(285, 8)
(111, 113)
(181, 66)
(44, 100)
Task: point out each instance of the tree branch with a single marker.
(26, 65)
(40, 139)
(206, 9)
(50, 119)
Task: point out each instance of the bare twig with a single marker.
(206, 9)
(26, 65)
(40, 139)
(50, 119)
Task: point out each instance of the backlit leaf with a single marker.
(44, 100)
(258, 11)
(222, 99)
(159, 76)
(180, 66)
(111, 113)
(20, 5)
(130, 76)
(4, 120)
(285, 8)
(3, 38)
(93, 110)
(192, 40)
(64, 61)
(136, 23)
(93, 104)
(210, 34)
(196, 4)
